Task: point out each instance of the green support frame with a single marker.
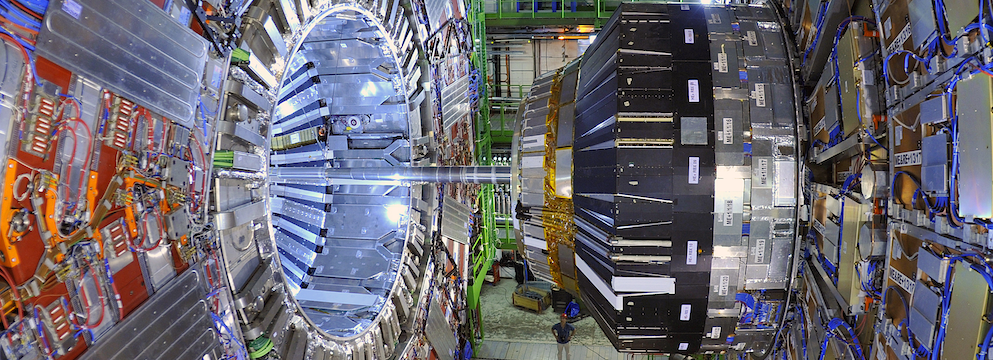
(502, 128)
(482, 261)
(513, 13)
(523, 13)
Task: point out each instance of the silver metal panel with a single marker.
(335, 300)
(779, 266)
(240, 254)
(159, 264)
(174, 321)
(455, 104)
(295, 229)
(133, 48)
(295, 249)
(975, 131)
(240, 131)
(693, 131)
(298, 211)
(784, 184)
(363, 221)
(439, 333)
(346, 56)
(352, 263)
(922, 24)
(247, 161)
(10, 84)
(240, 215)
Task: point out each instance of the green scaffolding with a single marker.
(538, 13)
(513, 13)
(484, 247)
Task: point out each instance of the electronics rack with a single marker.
(897, 180)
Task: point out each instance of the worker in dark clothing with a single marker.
(563, 333)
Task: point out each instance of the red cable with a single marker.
(75, 142)
(17, 294)
(86, 301)
(24, 52)
(74, 104)
(150, 126)
(6, 325)
(89, 149)
(144, 218)
(13, 290)
(26, 10)
(28, 73)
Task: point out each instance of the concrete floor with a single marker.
(502, 321)
(513, 333)
(494, 349)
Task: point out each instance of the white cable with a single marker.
(917, 122)
(27, 189)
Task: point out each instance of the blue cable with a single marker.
(241, 347)
(939, 7)
(842, 28)
(38, 6)
(984, 347)
(6, 8)
(817, 37)
(906, 62)
(952, 204)
(41, 332)
(858, 114)
(34, 72)
(824, 345)
(855, 345)
(946, 294)
(803, 329)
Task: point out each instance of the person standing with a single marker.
(563, 333)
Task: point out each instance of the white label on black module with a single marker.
(684, 346)
(759, 95)
(715, 332)
(820, 227)
(684, 312)
(691, 247)
(728, 212)
(684, 7)
(900, 279)
(722, 290)
(694, 175)
(763, 172)
(728, 130)
(907, 158)
(759, 251)
(899, 40)
(688, 36)
(693, 87)
(722, 62)
(752, 38)
(820, 126)
(843, 175)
